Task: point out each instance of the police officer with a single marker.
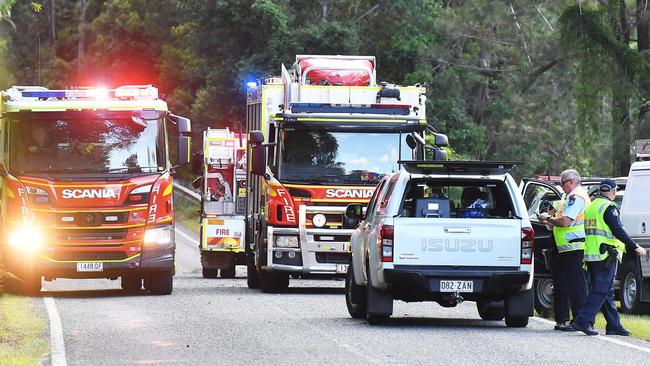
(569, 279)
(605, 243)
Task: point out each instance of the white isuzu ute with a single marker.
(443, 231)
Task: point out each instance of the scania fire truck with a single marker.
(320, 137)
(222, 169)
(87, 186)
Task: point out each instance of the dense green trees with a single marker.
(555, 84)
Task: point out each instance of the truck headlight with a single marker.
(27, 237)
(287, 241)
(319, 220)
(160, 235)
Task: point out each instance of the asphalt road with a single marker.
(222, 322)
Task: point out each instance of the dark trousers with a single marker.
(601, 296)
(569, 285)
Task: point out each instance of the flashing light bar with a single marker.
(123, 92)
(400, 109)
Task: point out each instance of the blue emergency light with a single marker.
(44, 94)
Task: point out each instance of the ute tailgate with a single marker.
(457, 242)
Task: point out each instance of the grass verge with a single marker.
(22, 340)
(638, 325)
(186, 212)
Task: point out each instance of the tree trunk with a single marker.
(82, 36)
(620, 102)
(53, 21)
(643, 41)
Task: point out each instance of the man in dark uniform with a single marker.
(605, 242)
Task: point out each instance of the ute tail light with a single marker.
(527, 245)
(385, 242)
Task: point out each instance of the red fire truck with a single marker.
(320, 137)
(87, 186)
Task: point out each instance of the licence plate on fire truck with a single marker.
(453, 286)
(90, 267)
(342, 268)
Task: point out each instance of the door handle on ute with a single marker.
(458, 230)
(643, 228)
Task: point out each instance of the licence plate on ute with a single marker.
(90, 267)
(342, 268)
(456, 286)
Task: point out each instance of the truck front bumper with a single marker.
(413, 283)
(20, 264)
(315, 255)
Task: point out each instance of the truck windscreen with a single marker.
(75, 142)
(340, 157)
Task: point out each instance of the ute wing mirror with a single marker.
(441, 140)
(354, 211)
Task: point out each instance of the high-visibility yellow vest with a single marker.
(598, 232)
(563, 235)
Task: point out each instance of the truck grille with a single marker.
(88, 256)
(91, 234)
(89, 218)
(338, 258)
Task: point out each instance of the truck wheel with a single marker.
(160, 283)
(491, 310)
(629, 292)
(30, 285)
(544, 297)
(516, 321)
(209, 272)
(228, 272)
(131, 283)
(355, 296)
(252, 276)
(271, 282)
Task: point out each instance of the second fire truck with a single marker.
(320, 137)
(222, 165)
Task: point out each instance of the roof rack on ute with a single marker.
(459, 166)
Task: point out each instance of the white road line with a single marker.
(56, 334)
(191, 239)
(609, 339)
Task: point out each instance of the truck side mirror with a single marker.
(410, 141)
(197, 163)
(354, 211)
(184, 144)
(440, 154)
(441, 140)
(255, 137)
(182, 124)
(257, 154)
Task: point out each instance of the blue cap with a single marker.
(607, 185)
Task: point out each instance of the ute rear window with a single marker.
(456, 199)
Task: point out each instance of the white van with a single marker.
(634, 272)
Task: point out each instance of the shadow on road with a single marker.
(449, 323)
(84, 294)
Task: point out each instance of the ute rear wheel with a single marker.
(516, 321)
(131, 283)
(355, 296)
(160, 283)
